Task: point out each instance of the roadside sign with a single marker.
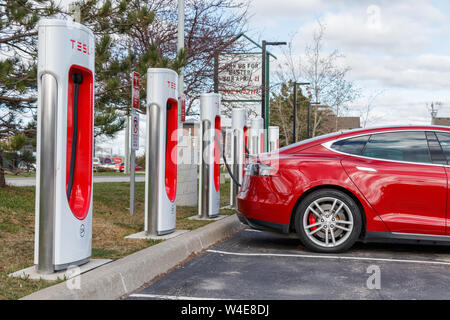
(135, 131)
(135, 90)
(239, 78)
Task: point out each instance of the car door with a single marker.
(444, 143)
(396, 174)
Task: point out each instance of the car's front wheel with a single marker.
(328, 220)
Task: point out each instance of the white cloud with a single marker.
(422, 72)
(428, 72)
(263, 9)
(434, 62)
(397, 27)
(394, 108)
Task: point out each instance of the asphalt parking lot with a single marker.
(259, 266)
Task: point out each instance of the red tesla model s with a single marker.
(383, 184)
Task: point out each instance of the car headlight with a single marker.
(260, 170)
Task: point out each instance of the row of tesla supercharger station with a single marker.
(63, 224)
(66, 62)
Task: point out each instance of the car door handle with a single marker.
(366, 169)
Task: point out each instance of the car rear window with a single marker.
(444, 139)
(352, 145)
(409, 146)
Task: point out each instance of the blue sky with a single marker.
(400, 48)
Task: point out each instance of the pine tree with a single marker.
(18, 59)
(111, 22)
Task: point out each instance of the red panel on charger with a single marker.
(171, 149)
(80, 198)
(217, 155)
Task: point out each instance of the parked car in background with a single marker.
(24, 166)
(122, 167)
(96, 164)
(382, 185)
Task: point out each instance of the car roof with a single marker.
(393, 128)
(304, 144)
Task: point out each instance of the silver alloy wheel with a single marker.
(333, 222)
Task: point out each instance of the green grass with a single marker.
(17, 241)
(115, 173)
(32, 174)
(111, 223)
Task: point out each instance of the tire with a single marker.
(321, 230)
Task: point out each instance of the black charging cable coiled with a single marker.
(235, 180)
(77, 80)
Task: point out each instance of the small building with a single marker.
(349, 123)
(331, 123)
(441, 121)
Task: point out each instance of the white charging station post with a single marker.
(239, 127)
(161, 152)
(209, 181)
(66, 66)
(274, 138)
(257, 136)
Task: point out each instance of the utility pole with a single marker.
(316, 103)
(180, 46)
(75, 11)
(294, 122)
(434, 111)
(294, 125)
(265, 88)
(308, 128)
(308, 122)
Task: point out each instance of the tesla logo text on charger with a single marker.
(172, 85)
(80, 46)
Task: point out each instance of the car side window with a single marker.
(352, 145)
(409, 146)
(444, 139)
(436, 153)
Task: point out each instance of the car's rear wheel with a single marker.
(328, 220)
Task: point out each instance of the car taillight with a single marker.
(260, 170)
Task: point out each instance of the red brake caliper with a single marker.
(312, 220)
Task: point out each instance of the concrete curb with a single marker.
(124, 276)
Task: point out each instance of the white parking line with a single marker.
(329, 257)
(167, 297)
